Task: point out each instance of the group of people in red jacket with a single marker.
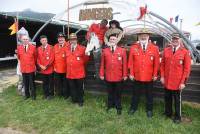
(62, 65)
(67, 62)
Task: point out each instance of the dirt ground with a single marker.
(7, 78)
(10, 131)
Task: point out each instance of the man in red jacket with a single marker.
(175, 70)
(114, 68)
(99, 30)
(75, 68)
(27, 56)
(143, 64)
(45, 58)
(61, 84)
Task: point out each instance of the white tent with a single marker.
(126, 12)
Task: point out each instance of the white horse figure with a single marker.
(93, 44)
(95, 47)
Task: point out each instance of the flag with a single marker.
(176, 18)
(14, 27)
(143, 11)
(171, 20)
(198, 24)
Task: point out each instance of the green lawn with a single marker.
(59, 116)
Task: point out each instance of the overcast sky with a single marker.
(188, 10)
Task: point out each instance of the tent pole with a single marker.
(68, 20)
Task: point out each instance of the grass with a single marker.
(59, 116)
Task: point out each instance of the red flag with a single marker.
(143, 11)
(171, 20)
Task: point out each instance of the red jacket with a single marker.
(113, 65)
(144, 65)
(45, 57)
(175, 68)
(75, 62)
(27, 58)
(100, 32)
(59, 58)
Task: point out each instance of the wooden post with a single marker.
(68, 19)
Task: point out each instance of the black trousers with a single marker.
(169, 96)
(61, 84)
(28, 80)
(48, 88)
(76, 90)
(97, 61)
(147, 87)
(114, 95)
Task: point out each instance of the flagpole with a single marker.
(144, 21)
(68, 19)
(181, 22)
(17, 21)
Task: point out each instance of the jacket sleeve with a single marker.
(86, 57)
(162, 65)
(187, 67)
(106, 37)
(35, 54)
(18, 55)
(156, 62)
(102, 65)
(120, 36)
(38, 57)
(130, 62)
(89, 32)
(125, 69)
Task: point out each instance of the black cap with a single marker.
(60, 34)
(175, 36)
(114, 22)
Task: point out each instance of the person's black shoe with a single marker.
(33, 98)
(66, 97)
(149, 114)
(167, 115)
(49, 97)
(131, 112)
(119, 112)
(177, 120)
(26, 97)
(107, 109)
(80, 104)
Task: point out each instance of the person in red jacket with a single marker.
(61, 84)
(175, 70)
(143, 64)
(99, 30)
(45, 58)
(27, 55)
(75, 68)
(113, 70)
